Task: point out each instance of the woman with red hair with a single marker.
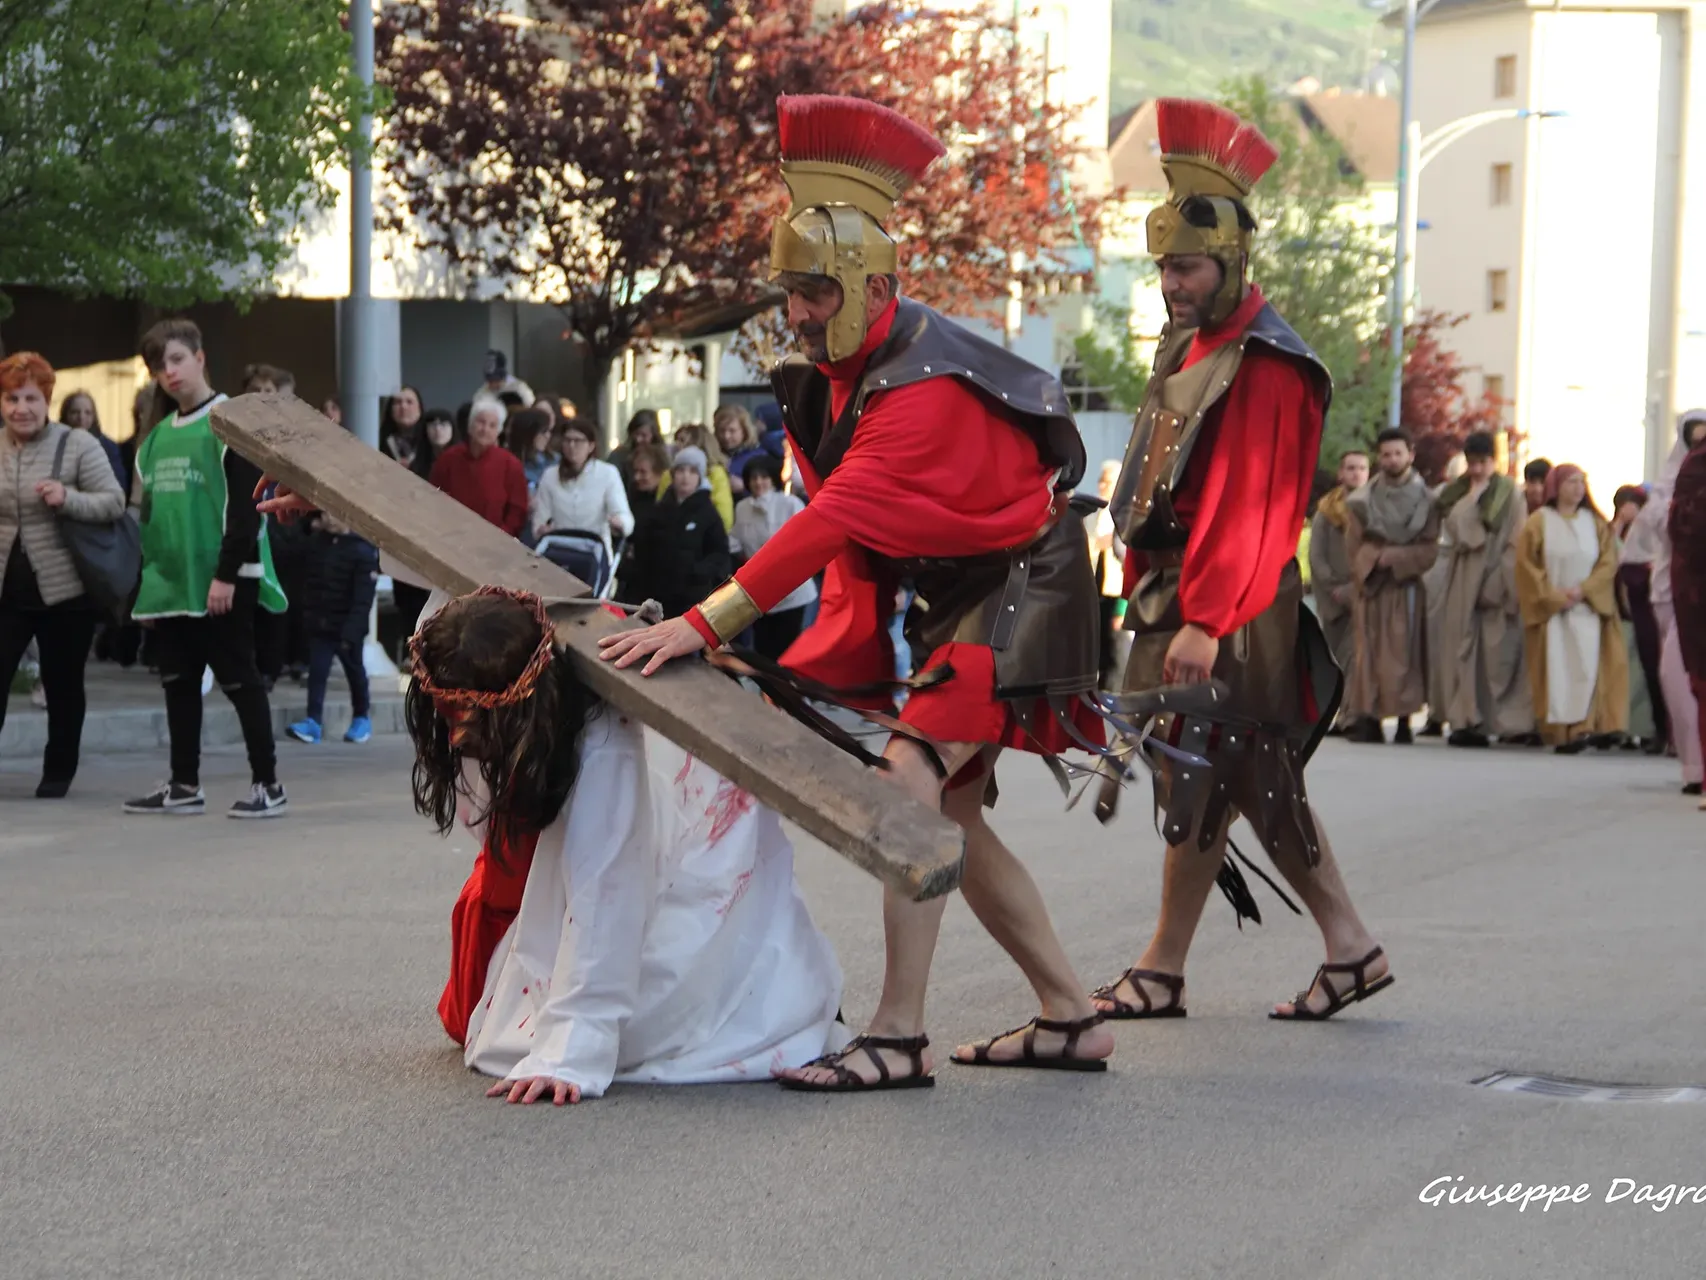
(1578, 666)
(48, 473)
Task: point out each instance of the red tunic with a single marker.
(483, 913)
(1245, 490)
(932, 471)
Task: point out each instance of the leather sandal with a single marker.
(1065, 1060)
(1123, 1012)
(848, 1081)
(1336, 999)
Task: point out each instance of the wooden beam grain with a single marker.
(850, 808)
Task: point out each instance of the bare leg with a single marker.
(910, 929)
(1187, 879)
(1005, 899)
(1323, 891)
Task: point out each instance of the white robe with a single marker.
(661, 937)
(1572, 636)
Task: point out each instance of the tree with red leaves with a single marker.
(1438, 410)
(619, 157)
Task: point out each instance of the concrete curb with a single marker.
(122, 730)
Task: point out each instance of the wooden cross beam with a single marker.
(870, 821)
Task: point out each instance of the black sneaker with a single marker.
(170, 798)
(265, 800)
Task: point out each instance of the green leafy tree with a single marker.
(1113, 363)
(166, 151)
(1321, 262)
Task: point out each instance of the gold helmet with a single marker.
(1210, 156)
(846, 161)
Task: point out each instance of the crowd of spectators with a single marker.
(226, 596)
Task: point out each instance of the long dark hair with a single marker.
(523, 429)
(528, 751)
(425, 454)
(389, 426)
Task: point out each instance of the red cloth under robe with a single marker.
(932, 471)
(483, 913)
(1245, 490)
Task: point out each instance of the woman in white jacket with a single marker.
(660, 937)
(581, 492)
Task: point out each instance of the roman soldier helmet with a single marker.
(1212, 157)
(846, 161)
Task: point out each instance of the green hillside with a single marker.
(1190, 47)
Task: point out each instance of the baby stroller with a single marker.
(584, 554)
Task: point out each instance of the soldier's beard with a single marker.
(813, 342)
(1188, 310)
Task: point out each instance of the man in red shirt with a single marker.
(933, 458)
(1211, 501)
(483, 477)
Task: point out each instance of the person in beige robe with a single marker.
(1578, 668)
(1482, 679)
(1330, 560)
(1392, 538)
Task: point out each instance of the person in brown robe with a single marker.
(1330, 560)
(1572, 625)
(1483, 683)
(1393, 539)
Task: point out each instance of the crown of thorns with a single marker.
(486, 699)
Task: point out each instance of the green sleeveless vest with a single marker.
(182, 469)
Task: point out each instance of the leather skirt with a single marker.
(1035, 606)
(1284, 689)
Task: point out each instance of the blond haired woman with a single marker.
(737, 437)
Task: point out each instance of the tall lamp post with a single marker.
(359, 389)
(1414, 153)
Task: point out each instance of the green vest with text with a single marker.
(181, 466)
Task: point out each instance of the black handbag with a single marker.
(108, 555)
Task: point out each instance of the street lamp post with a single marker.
(1407, 129)
(358, 389)
(359, 392)
(1414, 153)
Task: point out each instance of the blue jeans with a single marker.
(321, 651)
(897, 637)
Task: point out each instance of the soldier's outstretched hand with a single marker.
(673, 638)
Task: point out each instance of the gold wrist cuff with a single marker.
(728, 611)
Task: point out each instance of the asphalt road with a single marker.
(218, 1056)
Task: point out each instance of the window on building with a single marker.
(1493, 387)
(1501, 184)
(1498, 290)
(1504, 76)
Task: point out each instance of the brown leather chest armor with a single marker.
(1175, 409)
